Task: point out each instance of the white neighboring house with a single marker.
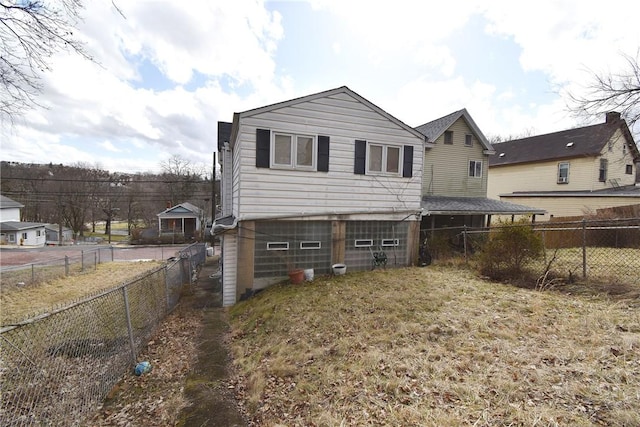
(323, 179)
(15, 232)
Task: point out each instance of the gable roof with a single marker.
(434, 129)
(7, 203)
(587, 141)
(324, 94)
(180, 210)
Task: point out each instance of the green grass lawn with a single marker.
(435, 346)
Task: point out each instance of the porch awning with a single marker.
(442, 205)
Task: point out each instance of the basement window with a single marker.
(277, 246)
(390, 242)
(311, 245)
(363, 243)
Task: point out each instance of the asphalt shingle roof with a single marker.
(587, 141)
(433, 129)
(6, 202)
(18, 225)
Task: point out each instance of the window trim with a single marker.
(628, 170)
(383, 165)
(561, 179)
(475, 168)
(293, 151)
(359, 243)
(468, 137)
(390, 242)
(274, 246)
(310, 244)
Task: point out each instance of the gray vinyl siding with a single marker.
(446, 166)
(274, 192)
(235, 189)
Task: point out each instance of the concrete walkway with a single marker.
(206, 388)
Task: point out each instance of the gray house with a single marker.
(314, 181)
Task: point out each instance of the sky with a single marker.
(166, 72)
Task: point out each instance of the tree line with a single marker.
(81, 195)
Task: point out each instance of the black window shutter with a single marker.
(407, 164)
(323, 153)
(360, 159)
(263, 151)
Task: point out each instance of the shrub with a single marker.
(509, 249)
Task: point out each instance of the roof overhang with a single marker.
(441, 205)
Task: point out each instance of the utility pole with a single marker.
(213, 190)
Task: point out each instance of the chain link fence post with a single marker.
(127, 312)
(584, 249)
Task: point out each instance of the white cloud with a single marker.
(108, 145)
(230, 48)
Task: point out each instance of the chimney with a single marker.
(168, 204)
(612, 117)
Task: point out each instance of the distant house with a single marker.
(9, 209)
(323, 179)
(52, 234)
(454, 178)
(569, 173)
(15, 232)
(184, 220)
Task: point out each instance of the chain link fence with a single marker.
(57, 368)
(85, 261)
(603, 251)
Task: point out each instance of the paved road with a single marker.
(12, 256)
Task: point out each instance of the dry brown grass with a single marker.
(432, 347)
(20, 302)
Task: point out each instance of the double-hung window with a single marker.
(604, 165)
(384, 159)
(293, 151)
(563, 173)
(475, 168)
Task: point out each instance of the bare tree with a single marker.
(496, 139)
(182, 178)
(611, 92)
(31, 31)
